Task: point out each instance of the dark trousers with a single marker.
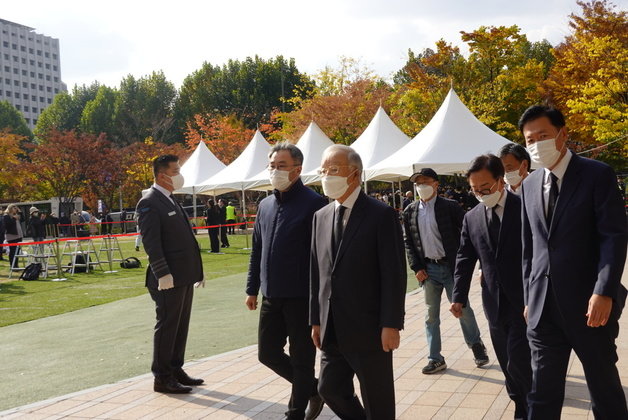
(551, 343)
(513, 354)
(282, 318)
(13, 250)
(231, 229)
(223, 236)
(214, 242)
(173, 307)
(375, 373)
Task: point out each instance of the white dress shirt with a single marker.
(499, 208)
(348, 204)
(164, 192)
(559, 171)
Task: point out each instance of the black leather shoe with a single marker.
(184, 379)
(314, 408)
(170, 386)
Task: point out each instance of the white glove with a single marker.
(166, 282)
(200, 283)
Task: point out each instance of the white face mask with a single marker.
(176, 181)
(544, 152)
(424, 191)
(279, 179)
(513, 178)
(489, 200)
(334, 186)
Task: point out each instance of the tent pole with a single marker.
(393, 195)
(246, 228)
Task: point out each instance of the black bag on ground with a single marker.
(80, 263)
(31, 272)
(130, 262)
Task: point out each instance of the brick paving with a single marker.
(237, 386)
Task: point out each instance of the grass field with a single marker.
(93, 329)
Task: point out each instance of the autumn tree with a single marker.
(343, 117)
(11, 168)
(226, 136)
(12, 120)
(589, 80)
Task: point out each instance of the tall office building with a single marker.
(30, 73)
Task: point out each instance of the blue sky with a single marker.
(105, 41)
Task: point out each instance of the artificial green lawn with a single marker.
(89, 343)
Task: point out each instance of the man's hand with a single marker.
(456, 309)
(390, 339)
(200, 283)
(166, 282)
(421, 275)
(316, 335)
(251, 302)
(525, 313)
(599, 310)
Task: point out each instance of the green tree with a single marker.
(12, 120)
(99, 114)
(248, 89)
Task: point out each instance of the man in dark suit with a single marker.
(491, 233)
(574, 249)
(358, 286)
(432, 236)
(174, 269)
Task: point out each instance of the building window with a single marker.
(31, 51)
(8, 93)
(18, 107)
(48, 89)
(35, 110)
(7, 81)
(40, 75)
(32, 74)
(16, 83)
(25, 86)
(42, 99)
(14, 46)
(47, 54)
(28, 121)
(49, 100)
(56, 79)
(35, 121)
(38, 52)
(16, 71)
(54, 56)
(32, 62)
(40, 64)
(7, 69)
(26, 108)
(25, 96)
(33, 86)
(41, 87)
(56, 90)
(16, 59)
(47, 66)
(22, 48)
(5, 44)
(24, 73)
(48, 77)
(33, 98)
(23, 60)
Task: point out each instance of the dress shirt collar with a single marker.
(350, 201)
(501, 203)
(428, 204)
(561, 167)
(164, 192)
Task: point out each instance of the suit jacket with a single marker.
(501, 267)
(168, 240)
(365, 285)
(583, 251)
(449, 217)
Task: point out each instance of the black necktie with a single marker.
(340, 212)
(552, 198)
(493, 227)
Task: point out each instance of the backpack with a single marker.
(130, 262)
(31, 272)
(80, 263)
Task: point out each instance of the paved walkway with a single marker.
(239, 387)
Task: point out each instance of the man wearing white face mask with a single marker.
(174, 269)
(491, 233)
(279, 266)
(516, 161)
(432, 236)
(574, 249)
(358, 286)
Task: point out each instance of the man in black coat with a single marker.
(222, 214)
(491, 233)
(175, 268)
(574, 250)
(358, 286)
(432, 236)
(279, 266)
(212, 221)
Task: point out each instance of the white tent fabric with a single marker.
(447, 144)
(381, 139)
(252, 160)
(312, 144)
(201, 165)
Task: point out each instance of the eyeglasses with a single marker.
(331, 170)
(280, 167)
(485, 191)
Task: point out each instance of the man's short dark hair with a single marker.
(537, 111)
(162, 163)
(490, 162)
(518, 151)
(295, 153)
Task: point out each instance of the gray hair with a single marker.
(353, 157)
(295, 153)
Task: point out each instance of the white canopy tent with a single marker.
(252, 160)
(447, 144)
(312, 144)
(379, 140)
